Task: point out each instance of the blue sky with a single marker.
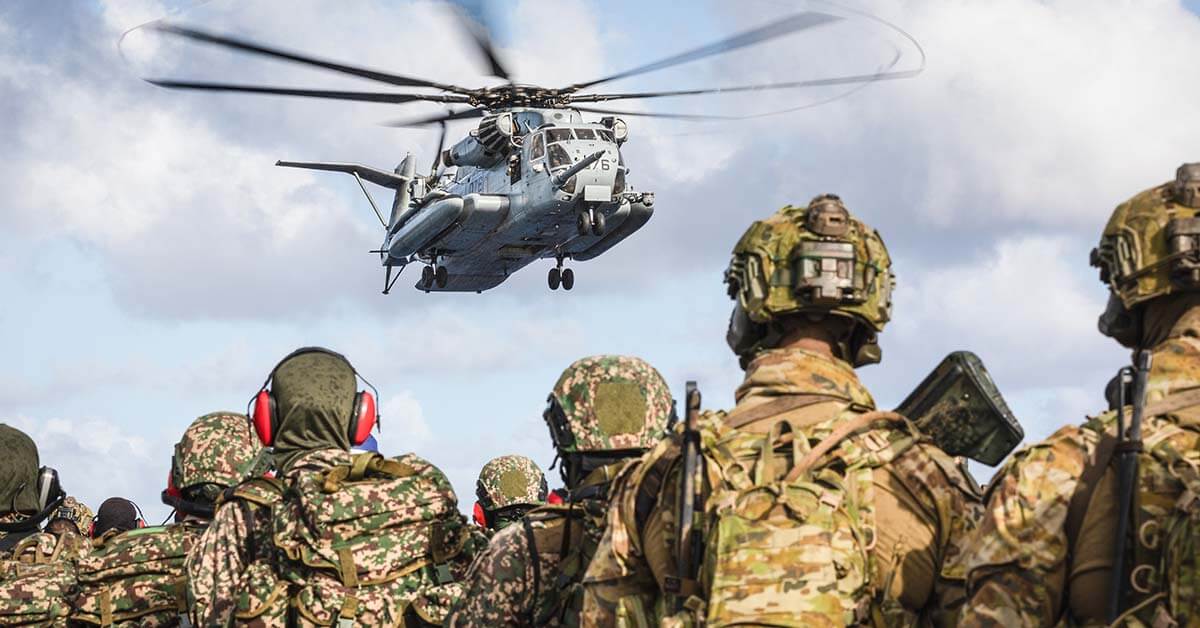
(154, 264)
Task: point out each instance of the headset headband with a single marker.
(314, 349)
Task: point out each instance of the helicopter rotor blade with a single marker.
(242, 45)
(441, 117)
(839, 80)
(654, 114)
(476, 25)
(309, 93)
(437, 156)
(779, 28)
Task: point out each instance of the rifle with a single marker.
(961, 409)
(689, 546)
(1129, 445)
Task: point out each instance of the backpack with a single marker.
(1166, 529)
(795, 550)
(364, 542)
(137, 576)
(36, 595)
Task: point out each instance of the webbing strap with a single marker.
(1173, 402)
(1092, 472)
(838, 435)
(787, 403)
(106, 607)
(349, 612)
(358, 468)
(347, 568)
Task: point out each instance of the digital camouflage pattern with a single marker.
(531, 572)
(1024, 568)
(1135, 251)
(136, 578)
(44, 547)
(611, 402)
(356, 538)
(510, 481)
(813, 258)
(216, 451)
(878, 541)
(36, 595)
(76, 512)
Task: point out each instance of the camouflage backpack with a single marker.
(36, 595)
(136, 577)
(781, 549)
(366, 542)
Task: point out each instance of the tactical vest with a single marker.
(44, 547)
(788, 525)
(368, 542)
(136, 578)
(1163, 582)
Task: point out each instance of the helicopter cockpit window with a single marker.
(585, 134)
(558, 157)
(604, 135)
(558, 135)
(538, 148)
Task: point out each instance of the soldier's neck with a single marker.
(804, 339)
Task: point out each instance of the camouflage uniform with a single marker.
(909, 503)
(136, 577)
(256, 563)
(19, 503)
(1043, 553)
(603, 411)
(507, 488)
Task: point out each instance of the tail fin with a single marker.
(399, 181)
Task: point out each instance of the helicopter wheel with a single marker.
(427, 277)
(584, 223)
(441, 276)
(555, 277)
(568, 279)
(598, 224)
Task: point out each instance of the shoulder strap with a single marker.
(1092, 472)
(787, 403)
(1173, 402)
(535, 559)
(841, 433)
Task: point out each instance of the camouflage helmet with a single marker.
(1151, 245)
(76, 512)
(817, 259)
(608, 403)
(217, 451)
(510, 481)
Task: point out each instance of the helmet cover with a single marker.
(510, 481)
(217, 451)
(608, 403)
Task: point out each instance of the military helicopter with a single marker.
(534, 180)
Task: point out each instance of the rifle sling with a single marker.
(775, 407)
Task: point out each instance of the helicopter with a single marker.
(533, 180)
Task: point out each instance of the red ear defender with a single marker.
(364, 418)
(555, 497)
(480, 518)
(172, 490)
(264, 417)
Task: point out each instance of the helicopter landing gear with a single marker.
(427, 278)
(560, 276)
(441, 276)
(434, 275)
(590, 222)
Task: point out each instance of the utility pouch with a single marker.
(959, 407)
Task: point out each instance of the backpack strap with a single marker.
(787, 403)
(1093, 471)
(535, 559)
(844, 431)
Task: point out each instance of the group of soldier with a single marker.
(804, 505)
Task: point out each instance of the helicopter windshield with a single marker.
(605, 135)
(558, 157)
(558, 135)
(585, 134)
(538, 148)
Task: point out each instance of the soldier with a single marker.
(335, 538)
(1048, 547)
(116, 515)
(72, 519)
(507, 488)
(134, 576)
(28, 494)
(603, 412)
(803, 505)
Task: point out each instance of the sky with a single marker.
(155, 264)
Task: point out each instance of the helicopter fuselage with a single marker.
(556, 190)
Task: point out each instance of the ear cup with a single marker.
(172, 490)
(363, 420)
(92, 529)
(264, 416)
(480, 516)
(555, 497)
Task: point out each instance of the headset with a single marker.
(174, 498)
(50, 497)
(138, 523)
(363, 417)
